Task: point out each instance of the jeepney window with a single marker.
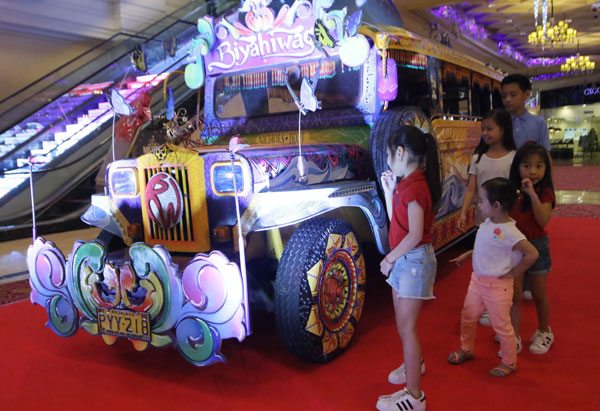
(263, 93)
(456, 89)
(413, 86)
(497, 98)
(481, 101)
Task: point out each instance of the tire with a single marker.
(320, 289)
(386, 124)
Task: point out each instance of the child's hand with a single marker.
(527, 187)
(510, 274)
(385, 266)
(388, 181)
(462, 222)
(461, 258)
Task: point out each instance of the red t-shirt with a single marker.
(526, 220)
(411, 188)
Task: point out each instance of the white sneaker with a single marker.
(485, 319)
(527, 295)
(541, 342)
(398, 376)
(519, 346)
(401, 400)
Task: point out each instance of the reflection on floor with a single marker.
(577, 197)
(587, 159)
(13, 254)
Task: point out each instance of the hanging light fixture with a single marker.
(551, 33)
(578, 64)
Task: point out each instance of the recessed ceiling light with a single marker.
(568, 21)
(509, 21)
(523, 33)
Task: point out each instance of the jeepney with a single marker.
(308, 90)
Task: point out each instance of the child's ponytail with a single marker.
(423, 149)
(432, 170)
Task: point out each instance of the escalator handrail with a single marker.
(29, 114)
(33, 83)
(13, 171)
(147, 40)
(43, 131)
(44, 170)
(120, 33)
(38, 135)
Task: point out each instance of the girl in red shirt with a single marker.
(410, 266)
(531, 171)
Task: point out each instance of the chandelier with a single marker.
(551, 33)
(578, 64)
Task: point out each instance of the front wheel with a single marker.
(320, 289)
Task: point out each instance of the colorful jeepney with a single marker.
(311, 94)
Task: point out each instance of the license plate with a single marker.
(121, 323)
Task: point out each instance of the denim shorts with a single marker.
(413, 274)
(543, 263)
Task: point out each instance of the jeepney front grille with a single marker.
(184, 229)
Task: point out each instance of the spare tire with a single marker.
(386, 123)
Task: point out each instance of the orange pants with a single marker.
(495, 295)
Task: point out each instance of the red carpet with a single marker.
(576, 178)
(40, 371)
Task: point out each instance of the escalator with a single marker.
(62, 124)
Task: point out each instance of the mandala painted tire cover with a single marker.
(320, 289)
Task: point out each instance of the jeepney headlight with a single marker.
(123, 182)
(222, 178)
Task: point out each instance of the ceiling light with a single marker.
(551, 33)
(578, 64)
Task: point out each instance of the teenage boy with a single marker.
(516, 89)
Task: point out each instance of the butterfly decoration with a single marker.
(118, 104)
(170, 47)
(138, 59)
(170, 105)
(353, 23)
(308, 100)
(236, 143)
(322, 35)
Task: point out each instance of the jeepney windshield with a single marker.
(263, 93)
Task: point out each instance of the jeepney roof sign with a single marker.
(263, 38)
